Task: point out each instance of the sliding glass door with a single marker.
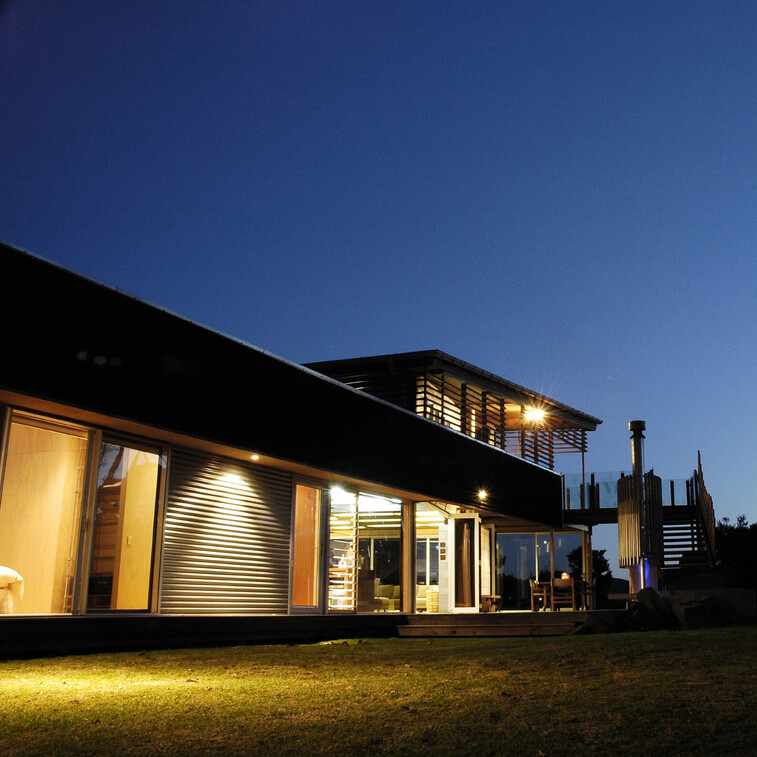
(40, 512)
(120, 574)
(523, 557)
(63, 565)
(365, 547)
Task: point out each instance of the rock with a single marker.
(651, 610)
(708, 612)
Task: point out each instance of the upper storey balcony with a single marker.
(469, 400)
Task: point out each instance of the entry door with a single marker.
(466, 562)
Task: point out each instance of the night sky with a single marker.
(562, 193)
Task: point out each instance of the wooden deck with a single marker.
(40, 636)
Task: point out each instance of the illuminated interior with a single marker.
(44, 510)
(124, 522)
(365, 546)
(40, 511)
(342, 550)
(431, 585)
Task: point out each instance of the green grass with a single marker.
(659, 693)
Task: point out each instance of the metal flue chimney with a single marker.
(637, 429)
(637, 573)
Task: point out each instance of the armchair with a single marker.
(563, 593)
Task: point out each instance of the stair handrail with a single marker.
(703, 503)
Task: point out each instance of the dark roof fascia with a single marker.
(465, 372)
(92, 347)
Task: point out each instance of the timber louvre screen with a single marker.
(226, 540)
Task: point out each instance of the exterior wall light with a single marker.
(534, 415)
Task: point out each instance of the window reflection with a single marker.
(516, 566)
(122, 543)
(526, 556)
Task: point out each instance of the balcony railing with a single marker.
(601, 490)
(686, 510)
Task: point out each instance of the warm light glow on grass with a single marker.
(435, 696)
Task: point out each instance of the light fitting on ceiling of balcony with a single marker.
(534, 415)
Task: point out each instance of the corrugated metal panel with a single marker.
(226, 542)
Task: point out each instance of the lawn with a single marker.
(682, 692)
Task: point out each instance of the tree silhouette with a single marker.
(600, 568)
(736, 548)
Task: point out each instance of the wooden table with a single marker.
(489, 602)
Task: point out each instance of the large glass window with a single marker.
(569, 555)
(121, 562)
(40, 513)
(543, 557)
(306, 546)
(379, 550)
(365, 547)
(427, 561)
(538, 556)
(516, 561)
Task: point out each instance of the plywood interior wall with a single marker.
(39, 513)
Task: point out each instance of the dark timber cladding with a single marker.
(70, 340)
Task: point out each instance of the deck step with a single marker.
(549, 629)
(494, 624)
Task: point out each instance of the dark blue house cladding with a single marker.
(70, 340)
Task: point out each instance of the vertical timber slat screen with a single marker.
(494, 419)
(652, 532)
(629, 522)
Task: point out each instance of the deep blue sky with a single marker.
(560, 192)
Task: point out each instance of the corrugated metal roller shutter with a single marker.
(226, 542)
